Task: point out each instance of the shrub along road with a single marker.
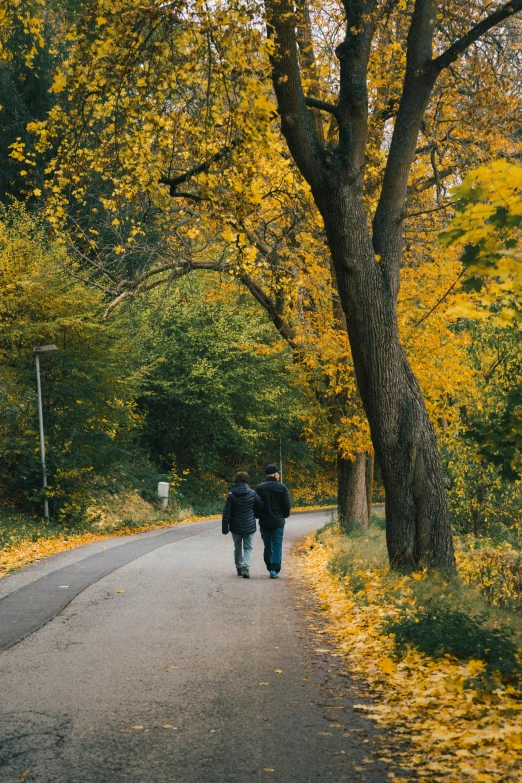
(168, 667)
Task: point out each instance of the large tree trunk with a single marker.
(417, 520)
(351, 493)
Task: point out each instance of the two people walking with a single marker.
(270, 503)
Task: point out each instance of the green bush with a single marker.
(439, 629)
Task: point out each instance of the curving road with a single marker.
(154, 662)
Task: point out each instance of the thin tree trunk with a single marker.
(370, 465)
(478, 519)
(351, 492)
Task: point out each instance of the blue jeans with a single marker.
(243, 549)
(273, 541)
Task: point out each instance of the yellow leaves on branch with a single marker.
(455, 734)
(59, 83)
(437, 353)
(487, 227)
(28, 16)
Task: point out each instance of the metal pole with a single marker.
(42, 442)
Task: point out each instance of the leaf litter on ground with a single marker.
(460, 722)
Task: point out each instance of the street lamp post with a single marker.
(37, 352)
(280, 459)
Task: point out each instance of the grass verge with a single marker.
(443, 664)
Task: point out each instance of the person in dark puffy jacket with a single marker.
(276, 507)
(242, 507)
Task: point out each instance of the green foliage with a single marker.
(439, 629)
(216, 393)
(24, 97)
(358, 549)
(481, 450)
(188, 387)
(87, 385)
(499, 436)
(16, 527)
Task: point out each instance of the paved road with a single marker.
(169, 668)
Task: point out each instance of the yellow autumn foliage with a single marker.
(495, 570)
(487, 230)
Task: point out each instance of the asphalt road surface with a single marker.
(152, 661)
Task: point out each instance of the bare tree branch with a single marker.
(143, 283)
(459, 47)
(297, 122)
(353, 54)
(308, 64)
(316, 103)
(408, 215)
(190, 196)
(174, 182)
(425, 184)
(286, 331)
(443, 297)
(418, 83)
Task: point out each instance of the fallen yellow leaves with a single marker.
(456, 733)
(386, 665)
(20, 555)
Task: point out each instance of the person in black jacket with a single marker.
(242, 507)
(276, 507)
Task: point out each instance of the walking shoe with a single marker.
(240, 572)
(246, 573)
(273, 575)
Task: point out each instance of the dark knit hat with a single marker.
(271, 469)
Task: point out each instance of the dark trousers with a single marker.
(273, 553)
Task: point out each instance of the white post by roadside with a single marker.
(37, 352)
(163, 492)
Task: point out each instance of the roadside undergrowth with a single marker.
(25, 540)
(444, 667)
(495, 569)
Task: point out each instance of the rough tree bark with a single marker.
(367, 261)
(351, 493)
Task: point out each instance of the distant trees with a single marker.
(215, 394)
(88, 392)
(191, 386)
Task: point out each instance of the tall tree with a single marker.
(367, 256)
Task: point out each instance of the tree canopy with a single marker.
(309, 153)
